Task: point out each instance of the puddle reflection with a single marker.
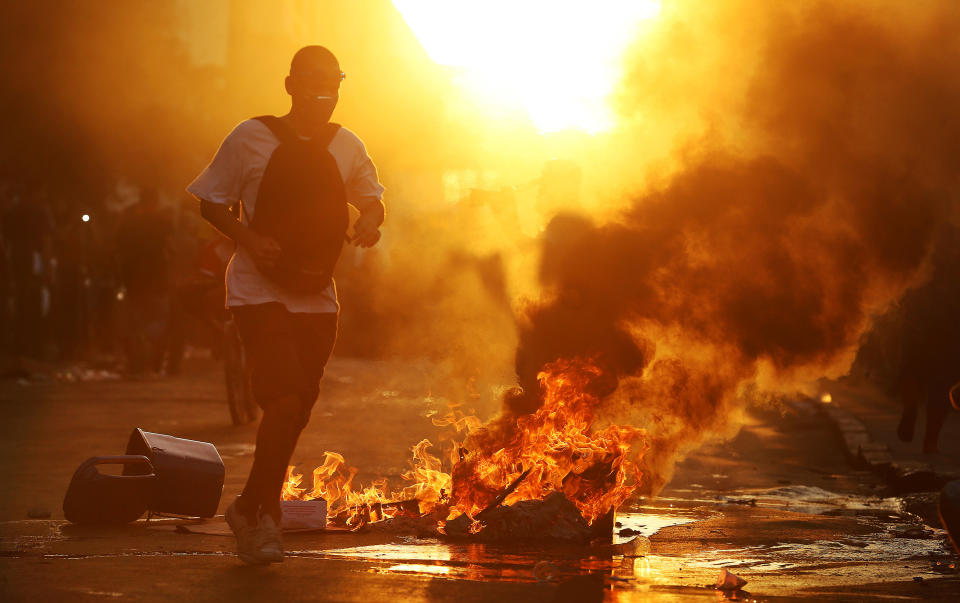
(419, 568)
(622, 578)
(647, 524)
(550, 563)
(484, 562)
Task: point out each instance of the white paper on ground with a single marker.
(303, 514)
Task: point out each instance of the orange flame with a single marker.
(556, 444)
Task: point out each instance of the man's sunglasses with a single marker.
(331, 83)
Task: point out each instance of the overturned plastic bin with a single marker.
(189, 474)
(95, 498)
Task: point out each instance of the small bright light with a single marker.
(826, 398)
(85, 217)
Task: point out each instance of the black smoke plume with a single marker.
(757, 263)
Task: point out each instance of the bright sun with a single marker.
(557, 59)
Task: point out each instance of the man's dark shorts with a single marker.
(286, 351)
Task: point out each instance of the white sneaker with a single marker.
(270, 549)
(248, 536)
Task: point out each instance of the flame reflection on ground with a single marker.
(647, 524)
(419, 568)
(681, 567)
(533, 563)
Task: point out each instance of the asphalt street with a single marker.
(780, 505)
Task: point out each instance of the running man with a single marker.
(292, 177)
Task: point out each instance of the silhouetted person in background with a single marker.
(27, 231)
(293, 177)
(143, 257)
(72, 298)
(931, 355)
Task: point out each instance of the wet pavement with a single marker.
(780, 505)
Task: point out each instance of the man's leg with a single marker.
(286, 354)
(316, 335)
(277, 437)
(275, 373)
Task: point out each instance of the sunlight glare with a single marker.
(558, 60)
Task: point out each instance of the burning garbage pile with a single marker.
(546, 475)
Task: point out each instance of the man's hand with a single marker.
(265, 250)
(366, 231)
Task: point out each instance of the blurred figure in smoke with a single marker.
(143, 255)
(931, 359)
(559, 187)
(293, 177)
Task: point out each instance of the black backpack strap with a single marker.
(329, 131)
(280, 129)
(285, 133)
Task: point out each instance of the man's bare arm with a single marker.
(264, 249)
(366, 231)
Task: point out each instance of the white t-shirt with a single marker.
(234, 175)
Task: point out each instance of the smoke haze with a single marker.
(776, 178)
(827, 154)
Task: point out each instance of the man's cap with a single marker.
(310, 59)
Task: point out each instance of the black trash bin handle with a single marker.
(129, 459)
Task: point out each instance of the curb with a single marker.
(903, 476)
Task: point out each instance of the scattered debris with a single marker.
(915, 476)
(553, 518)
(420, 527)
(303, 514)
(752, 502)
(544, 571)
(81, 374)
(730, 581)
(914, 532)
(503, 495)
(637, 547)
(378, 512)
